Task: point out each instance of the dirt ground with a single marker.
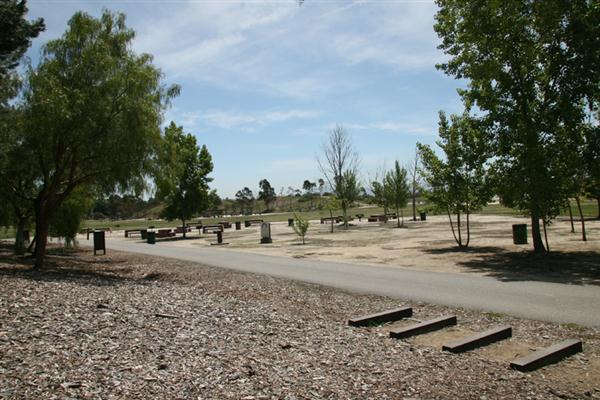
(429, 245)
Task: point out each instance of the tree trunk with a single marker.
(546, 235)
(536, 235)
(598, 201)
(398, 217)
(19, 239)
(183, 225)
(452, 227)
(345, 214)
(468, 230)
(331, 219)
(458, 229)
(414, 207)
(583, 236)
(41, 228)
(570, 216)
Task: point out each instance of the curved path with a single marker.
(545, 301)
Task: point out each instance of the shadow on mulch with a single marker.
(66, 265)
(575, 268)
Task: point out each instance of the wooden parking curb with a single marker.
(478, 340)
(379, 318)
(546, 356)
(423, 327)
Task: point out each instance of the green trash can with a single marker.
(423, 216)
(144, 233)
(519, 233)
(151, 237)
(290, 221)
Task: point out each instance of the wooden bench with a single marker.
(212, 228)
(329, 219)
(378, 218)
(162, 233)
(226, 224)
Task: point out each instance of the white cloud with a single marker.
(394, 127)
(284, 50)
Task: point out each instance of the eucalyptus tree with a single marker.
(531, 68)
(266, 193)
(93, 110)
(458, 183)
(182, 175)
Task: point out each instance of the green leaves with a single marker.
(532, 69)
(181, 174)
(300, 226)
(459, 183)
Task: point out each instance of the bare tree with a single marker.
(415, 177)
(340, 162)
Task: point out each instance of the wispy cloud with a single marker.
(227, 119)
(280, 49)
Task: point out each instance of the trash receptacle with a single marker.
(99, 242)
(519, 233)
(423, 216)
(151, 237)
(290, 221)
(238, 225)
(144, 233)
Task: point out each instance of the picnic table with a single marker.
(165, 233)
(251, 222)
(129, 232)
(212, 228)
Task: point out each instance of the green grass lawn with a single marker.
(590, 210)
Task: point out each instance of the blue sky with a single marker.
(263, 82)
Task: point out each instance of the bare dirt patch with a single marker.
(428, 245)
(135, 327)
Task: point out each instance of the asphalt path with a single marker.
(554, 302)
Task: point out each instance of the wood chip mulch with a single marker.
(125, 326)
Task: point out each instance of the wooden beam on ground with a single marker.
(478, 340)
(546, 356)
(379, 318)
(423, 327)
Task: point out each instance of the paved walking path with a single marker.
(545, 301)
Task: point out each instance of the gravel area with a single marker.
(128, 326)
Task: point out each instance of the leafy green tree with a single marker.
(16, 177)
(300, 226)
(245, 198)
(396, 190)
(214, 201)
(66, 221)
(459, 184)
(531, 68)
(15, 38)
(266, 193)
(350, 190)
(93, 110)
(591, 158)
(378, 190)
(182, 175)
